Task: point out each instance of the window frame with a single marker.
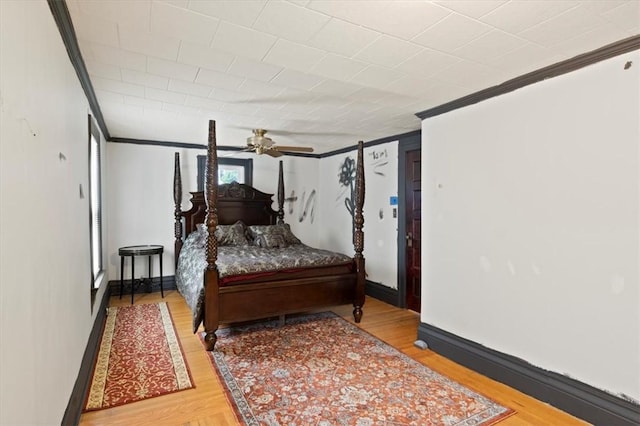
(95, 203)
(247, 163)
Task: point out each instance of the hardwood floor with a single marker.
(206, 404)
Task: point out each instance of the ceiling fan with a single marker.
(261, 144)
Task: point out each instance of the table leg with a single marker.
(161, 287)
(121, 275)
(132, 277)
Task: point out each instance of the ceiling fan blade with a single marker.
(272, 153)
(293, 148)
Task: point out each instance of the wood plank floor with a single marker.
(206, 404)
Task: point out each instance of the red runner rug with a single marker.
(322, 370)
(140, 357)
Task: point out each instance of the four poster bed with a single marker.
(239, 261)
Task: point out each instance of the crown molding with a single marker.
(65, 26)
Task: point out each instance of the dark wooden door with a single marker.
(413, 202)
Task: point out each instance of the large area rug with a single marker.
(322, 370)
(140, 357)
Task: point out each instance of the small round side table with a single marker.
(132, 251)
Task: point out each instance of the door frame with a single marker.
(410, 143)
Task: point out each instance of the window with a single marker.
(229, 170)
(95, 205)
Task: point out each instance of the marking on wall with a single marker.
(291, 200)
(380, 159)
(308, 208)
(512, 268)
(347, 179)
(536, 269)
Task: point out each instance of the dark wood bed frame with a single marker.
(279, 294)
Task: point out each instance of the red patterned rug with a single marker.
(322, 370)
(140, 357)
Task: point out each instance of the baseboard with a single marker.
(168, 283)
(382, 292)
(76, 400)
(572, 396)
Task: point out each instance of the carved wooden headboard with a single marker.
(236, 202)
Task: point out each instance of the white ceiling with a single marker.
(320, 73)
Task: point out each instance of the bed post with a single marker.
(280, 195)
(358, 236)
(177, 199)
(211, 220)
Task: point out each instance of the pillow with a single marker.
(232, 235)
(282, 229)
(270, 241)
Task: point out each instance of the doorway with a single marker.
(409, 223)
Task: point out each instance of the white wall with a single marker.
(45, 274)
(380, 227)
(141, 207)
(530, 247)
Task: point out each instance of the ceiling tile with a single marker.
(97, 30)
(242, 41)
(183, 24)
(260, 89)
(240, 108)
(242, 12)
(471, 8)
(626, 16)
(136, 14)
(171, 69)
(218, 79)
(528, 58)
(253, 69)
(109, 85)
(401, 18)
(491, 45)
(602, 6)
(343, 37)
(229, 95)
(142, 102)
(427, 62)
(180, 109)
(204, 103)
(296, 80)
(103, 70)
(145, 79)
(517, 16)
(376, 76)
(109, 97)
(555, 30)
(293, 55)
(470, 74)
(119, 57)
(585, 41)
(290, 21)
(367, 94)
(452, 32)
(179, 3)
(388, 51)
(336, 88)
(203, 56)
(338, 67)
(149, 44)
(165, 96)
(189, 88)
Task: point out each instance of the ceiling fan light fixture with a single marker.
(259, 139)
